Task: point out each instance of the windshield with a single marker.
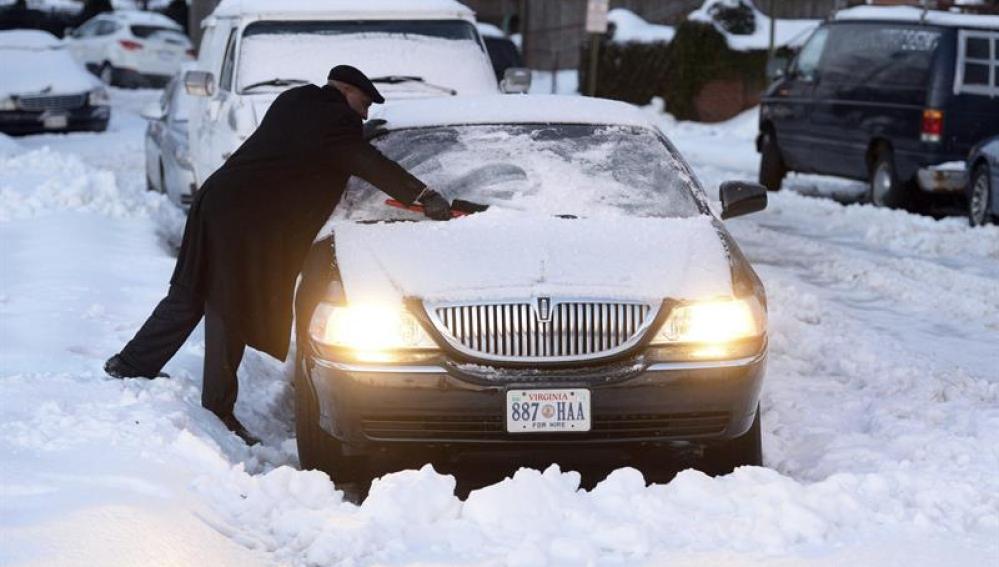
(561, 169)
(441, 52)
(144, 32)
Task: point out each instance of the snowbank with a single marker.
(787, 32)
(630, 27)
(42, 181)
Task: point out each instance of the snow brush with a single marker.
(459, 207)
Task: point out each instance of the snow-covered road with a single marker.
(881, 406)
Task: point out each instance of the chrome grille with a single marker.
(521, 331)
(58, 102)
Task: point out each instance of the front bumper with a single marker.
(942, 178)
(33, 122)
(443, 404)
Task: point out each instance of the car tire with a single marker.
(319, 450)
(107, 75)
(772, 168)
(884, 189)
(744, 450)
(980, 199)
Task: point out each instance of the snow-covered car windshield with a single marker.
(561, 169)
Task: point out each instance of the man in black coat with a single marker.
(250, 227)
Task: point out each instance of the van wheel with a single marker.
(745, 450)
(772, 168)
(884, 188)
(980, 200)
(320, 451)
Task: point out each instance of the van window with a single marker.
(225, 77)
(875, 55)
(807, 62)
(977, 63)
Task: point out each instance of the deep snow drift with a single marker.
(880, 409)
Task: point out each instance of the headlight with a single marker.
(99, 97)
(721, 328)
(372, 333)
(7, 103)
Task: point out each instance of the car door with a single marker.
(218, 45)
(792, 101)
(221, 138)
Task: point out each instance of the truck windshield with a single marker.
(447, 53)
(580, 170)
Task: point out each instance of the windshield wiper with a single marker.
(275, 83)
(398, 79)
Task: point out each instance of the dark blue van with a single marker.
(889, 95)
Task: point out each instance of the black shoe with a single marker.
(233, 424)
(118, 368)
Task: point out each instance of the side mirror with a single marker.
(152, 111)
(777, 67)
(199, 83)
(741, 198)
(516, 80)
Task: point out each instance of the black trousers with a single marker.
(162, 335)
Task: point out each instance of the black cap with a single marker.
(353, 76)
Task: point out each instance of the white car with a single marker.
(44, 90)
(168, 165)
(252, 50)
(131, 48)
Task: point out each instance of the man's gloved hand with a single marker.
(435, 206)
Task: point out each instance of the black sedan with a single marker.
(597, 309)
(44, 89)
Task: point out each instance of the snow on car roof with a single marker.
(913, 14)
(373, 8)
(28, 39)
(145, 18)
(489, 30)
(509, 109)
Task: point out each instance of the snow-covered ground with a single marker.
(880, 409)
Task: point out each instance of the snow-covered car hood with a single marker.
(507, 255)
(33, 67)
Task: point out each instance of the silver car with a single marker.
(168, 166)
(983, 182)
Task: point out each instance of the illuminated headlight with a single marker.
(373, 333)
(7, 103)
(99, 97)
(721, 328)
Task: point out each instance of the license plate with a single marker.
(55, 121)
(547, 411)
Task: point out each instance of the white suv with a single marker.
(252, 50)
(131, 48)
